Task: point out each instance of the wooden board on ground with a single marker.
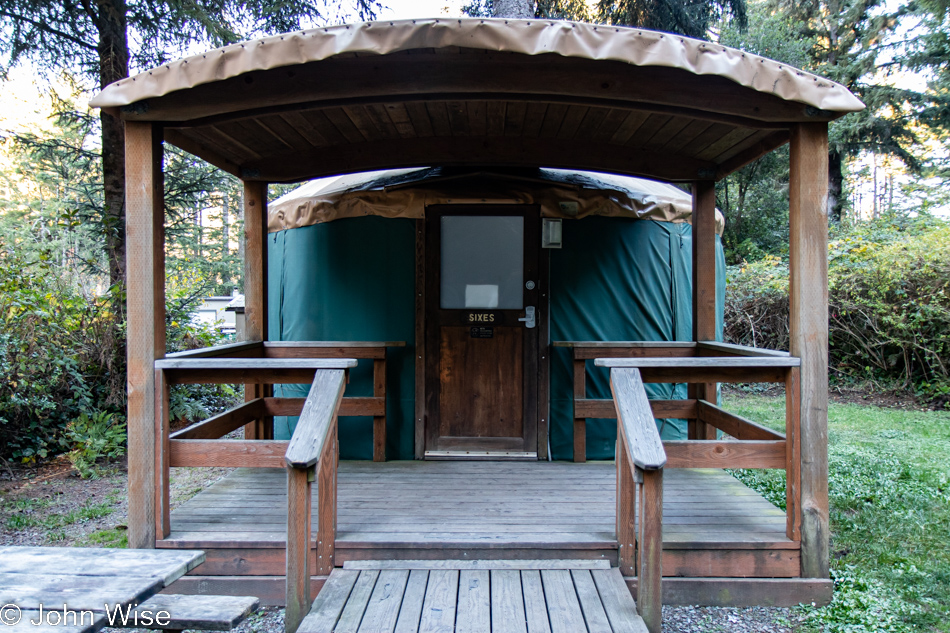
(94, 561)
(208, 613)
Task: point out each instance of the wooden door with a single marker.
(482, 284)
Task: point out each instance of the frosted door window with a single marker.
(482, 262)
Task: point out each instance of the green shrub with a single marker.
(889, 303)
(94, 437)
(57, 356)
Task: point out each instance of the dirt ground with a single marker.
(885, 398)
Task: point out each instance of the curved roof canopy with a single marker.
(379, 95)
(405, 193)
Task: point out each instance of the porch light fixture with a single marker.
(551, 233)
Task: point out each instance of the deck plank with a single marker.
(411, 612)
(507, 602)
(352, 615)
(507, 510)
(536, 612)
(474, 605)
(329, 604)
(438, 609)
(591, 604)
(618, 603)
(384, 603)
(564, 610)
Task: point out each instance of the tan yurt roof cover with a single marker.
(405, 193)
(637, 47)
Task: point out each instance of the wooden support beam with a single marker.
(793, 455)
(255, 288)
(228, 453)
(735, 425)
(605, 409)
(298, 547)
(808, 330)
(327, 480)
(419, 443)
(650, 549)
(580, 424)
(725, 454)
(145, 279)
(379, 421)
(626, 508)
(704, 291)
(220, 425)
(163, 525)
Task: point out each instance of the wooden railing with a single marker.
(312, 454)
(260, 426)
(749, 445)
(640, 460)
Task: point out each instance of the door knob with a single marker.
(528, 318)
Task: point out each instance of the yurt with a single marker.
(597, 257)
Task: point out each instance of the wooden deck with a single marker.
(714, 526)
(502, 597)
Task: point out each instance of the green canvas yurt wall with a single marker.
(353, 279)
(619, 279)
(349, 280)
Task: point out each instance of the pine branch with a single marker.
(48, 29)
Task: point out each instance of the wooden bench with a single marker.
(205, 613)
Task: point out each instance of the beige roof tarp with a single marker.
(405, 193)
(530, 37)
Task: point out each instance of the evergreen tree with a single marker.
(92, 39)
(693, 18)
(859, 44)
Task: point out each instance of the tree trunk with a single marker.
(225, 238)
(113, 65)
(835, 186)
(513, 9)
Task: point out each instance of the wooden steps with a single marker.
(563, 596)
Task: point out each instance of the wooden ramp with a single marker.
(567, 596)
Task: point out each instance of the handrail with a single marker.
(217, 350)
(701, 362)
(313, 426)
(312, 455)
(640, 460)
(738, 350)
(643, 443)
(197, 364)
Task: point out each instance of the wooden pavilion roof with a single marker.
(477, 92)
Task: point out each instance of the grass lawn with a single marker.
(889, 481)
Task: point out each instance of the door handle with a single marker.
(528, 318)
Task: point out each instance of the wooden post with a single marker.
(704, 290)
(650, 558)
(145, 287)
(793, 455)
(298, 547)
(326, 503)
(580, 424)
(162, 455)
(379, 422)
(626, 508)
(255, 287)
(420, 410)
(808, 330)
